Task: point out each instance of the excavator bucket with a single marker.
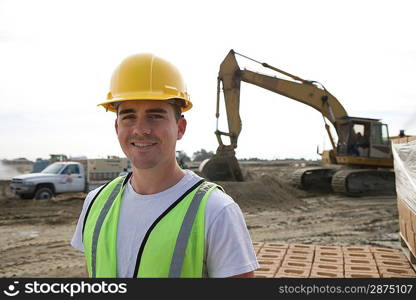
(223, 166)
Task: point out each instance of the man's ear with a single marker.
(181, 127)
(116, 126)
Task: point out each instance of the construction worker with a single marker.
(159, 220)
(361, 145)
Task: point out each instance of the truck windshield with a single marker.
(53, 168)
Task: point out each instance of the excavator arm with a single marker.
(300, 90)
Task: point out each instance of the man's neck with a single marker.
(147, 182)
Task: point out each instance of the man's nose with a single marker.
(142, 127)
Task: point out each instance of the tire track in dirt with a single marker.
(20, 212)
(330, 220)
(38, 257)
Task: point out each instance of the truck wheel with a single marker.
(26, 196)
(44, 193)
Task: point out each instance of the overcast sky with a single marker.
(57, 57)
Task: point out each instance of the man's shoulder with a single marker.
(218, 197)
(218, 201)
(91, 195)
(219, 194)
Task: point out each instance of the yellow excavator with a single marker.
(360, 161)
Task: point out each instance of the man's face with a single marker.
(147, 132)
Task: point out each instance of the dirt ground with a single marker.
(35, 235)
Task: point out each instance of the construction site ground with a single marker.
(35, 235)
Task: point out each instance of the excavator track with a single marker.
(364, 182)
(313, 178)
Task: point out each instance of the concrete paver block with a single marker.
(390, 275)
(361, 268)
(278, 275)
(357, 255)
(328, 248)
(267, 256)
(329, 253)
(315, 273)
(302, 258)
(301, 246)
(359, 261)
(393, 263)
(328, 267)
(267, 269)
(269, 265)
(395, 256)
(263, 275)
(384, 250)
(289, 271)
(361, 275)
(275, 251)
(296, 264)
(355, 249)
(329, 260)
(393, 272)
(277, 245)
(294, 251)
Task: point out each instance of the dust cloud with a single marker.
(7, 172)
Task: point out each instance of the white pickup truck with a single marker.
(67, 177)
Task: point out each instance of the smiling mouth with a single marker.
(142, 145)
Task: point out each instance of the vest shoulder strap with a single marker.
(125, 180)
(185, 230)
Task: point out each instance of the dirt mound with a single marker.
(263, 191)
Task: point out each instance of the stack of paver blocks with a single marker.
(303, 261)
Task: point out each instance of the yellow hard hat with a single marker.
(146, 77)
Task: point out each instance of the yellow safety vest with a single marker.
(172, 247)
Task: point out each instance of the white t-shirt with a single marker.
(228, 246)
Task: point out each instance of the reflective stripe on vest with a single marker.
(185, 231)
(172, 247)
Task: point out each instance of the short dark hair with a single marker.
(177, 105)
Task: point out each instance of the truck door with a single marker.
(71, 179)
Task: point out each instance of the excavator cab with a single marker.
(363, 141)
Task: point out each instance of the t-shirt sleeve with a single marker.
(230, 249)
(76, 241)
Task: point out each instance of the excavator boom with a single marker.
(224, 165)
(300, 90)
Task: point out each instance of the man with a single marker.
(160, 220)
(362, 145)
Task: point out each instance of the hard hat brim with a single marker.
(108, 105)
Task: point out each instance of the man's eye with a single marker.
(155, 116)
(128, 117)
